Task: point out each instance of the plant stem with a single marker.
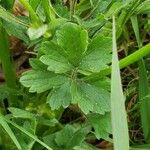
(134, 57)
(7, 66)
(49, 11)
(35, 19)
(71, 3)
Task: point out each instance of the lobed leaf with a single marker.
(101, 124)
(49, 47)
(70, 137)
(60, 96)
(90, 98)
(19, 113)
(57, 64)
(54, 58)
(74, 40)
(98, 55)
(40, 81)
(36, 64)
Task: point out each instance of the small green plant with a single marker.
(63, 64)
(69, 75)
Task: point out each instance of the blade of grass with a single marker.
(118, 113)
(7, 66)
(135, 26)
(143, 86)
(144, 104)
(141, 147)
(25, 132)
(9, 132)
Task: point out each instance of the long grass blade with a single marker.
(144, 104)
(26, 132)
(118, 113)
(143, 86)
(4, 124)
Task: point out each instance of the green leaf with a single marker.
(58, 63)
(90, 98)
(49, 47)
(40, 81)
(56, 24)
(47, 122)
(36, 64)
(8, 4)
(79, 97)
(74, 40)
(10, 18)
(70, 137)
(103, 83)
(64, 136)
(19, 113)
(54, 58)
(14, 25)
(60, 96)
(17, 30)
(98, 55)
(77, 138)
(101, 124)
(50, 140)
